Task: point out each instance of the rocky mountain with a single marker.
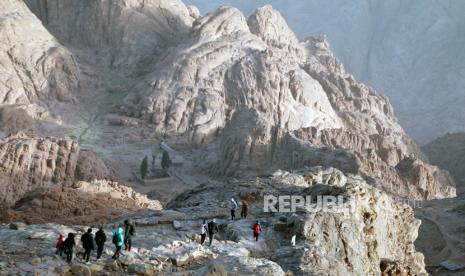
(388, 44)
(244, 109)
(29, 163)
(36, 71)
(253, 85)
(247, 91)
(448, 152)
(376, 238)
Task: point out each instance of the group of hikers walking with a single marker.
(125, 232)
(120, 237)
(211, 228)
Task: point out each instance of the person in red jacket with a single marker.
(59, 244)
(257, 229)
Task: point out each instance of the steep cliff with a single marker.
(36, 71)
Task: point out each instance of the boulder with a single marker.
(80, 270)
(141, 269)
(17, 226)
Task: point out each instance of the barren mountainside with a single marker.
(410, 50)
(244, 109)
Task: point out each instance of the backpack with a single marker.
(203, 228)
(115, 238)
(132, 230)
(257, 229)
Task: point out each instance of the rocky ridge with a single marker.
(28, 163)
(245, 85)
(236, 97)
(376, 238)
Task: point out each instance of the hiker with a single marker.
(118, 240)
(59, 244)
(233, 207)
(212, 230)
(244, 210)
(68, 247)
(203, 232)
(100, 239)
(87, 240)
(257, 229)
(129, 232)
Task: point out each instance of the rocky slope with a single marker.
(448, 153)
(235, 98)
(81, 203)
(387, 45)
(36, 71)
(250, 84)
(28, 163)
(374, 238)
(126, 35)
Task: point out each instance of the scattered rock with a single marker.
(18, 226)
(177, 224)
(80, 270)
(141, 269)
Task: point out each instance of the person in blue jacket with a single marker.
(118, 240)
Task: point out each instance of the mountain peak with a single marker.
(270, 26)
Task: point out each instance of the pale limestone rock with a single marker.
(29, 163)
(126, 33)
(35, 70)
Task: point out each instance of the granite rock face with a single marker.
(29, 163)
(125, 34)
(239, 83)
(35, 70)
(248, 86)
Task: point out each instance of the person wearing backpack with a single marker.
(118, 240)
(59, 244)
(68, 247)
(257, 229)
(203, 232)
(87, 240)
(129, 232)
(212, 230)
(100, 239)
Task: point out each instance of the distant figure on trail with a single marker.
(293, 240)
(244, 209)
(59, 244)
(100, 239)
(212, 230)
(233, 207)
(257, 229)
(203, 231)
(87, 240)
(129, 232)
(118, 240)
(68, 247)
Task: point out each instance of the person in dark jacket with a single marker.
(244, 209)
(129, 232)
(212, 230)
(87, 243)
(68, 247)
(100, 239)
